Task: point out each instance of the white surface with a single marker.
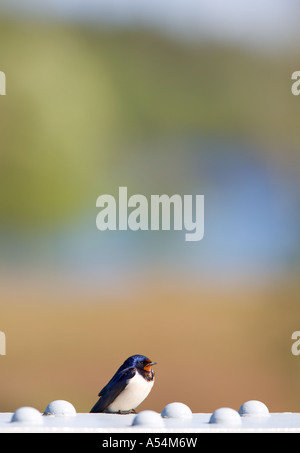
(176, 410)
(226, 416)
(254, 408)
(27, 415)
(114, 423)
(60, 408)
(148, 419)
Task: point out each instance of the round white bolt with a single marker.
(253, 408)
(225, 416)
(27, 415)
(148, 418)
(60, 408)
(176, 410)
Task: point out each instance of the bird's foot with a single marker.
(131, 411)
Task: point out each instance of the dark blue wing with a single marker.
(115, 386)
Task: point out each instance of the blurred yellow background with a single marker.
(91, 105)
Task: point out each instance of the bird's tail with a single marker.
(98, 407)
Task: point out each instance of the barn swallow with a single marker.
(130, 385)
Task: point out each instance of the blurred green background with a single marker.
(192, 98)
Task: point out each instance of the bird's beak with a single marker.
(149, 365)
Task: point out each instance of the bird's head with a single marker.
(140, 361)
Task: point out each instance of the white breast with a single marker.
(136, 391)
